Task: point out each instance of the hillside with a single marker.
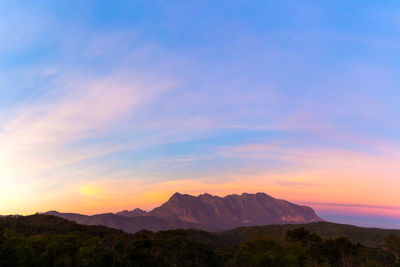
(372, 237)
(45, 240)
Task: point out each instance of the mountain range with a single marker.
(205, 212)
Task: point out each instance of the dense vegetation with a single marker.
(371, 237)
(41, 240)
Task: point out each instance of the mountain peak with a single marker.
(133, 213)
(178, 195)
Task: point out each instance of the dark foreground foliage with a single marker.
(41, 240)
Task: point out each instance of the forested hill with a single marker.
(43, 240)
(372, 237)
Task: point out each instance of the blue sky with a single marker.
(101, 101)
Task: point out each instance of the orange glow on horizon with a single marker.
(350, 179)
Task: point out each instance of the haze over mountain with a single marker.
(205, 212)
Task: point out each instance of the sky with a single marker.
(113, 105)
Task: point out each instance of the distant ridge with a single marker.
(133, 213)
(204, 212)
(128, 224)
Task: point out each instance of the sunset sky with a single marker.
(112, 105)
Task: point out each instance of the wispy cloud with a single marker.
(354, 209)
(61, 127)
(89, 109)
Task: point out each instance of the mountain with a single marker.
(233, 210)
(205, 212)
(128, 224)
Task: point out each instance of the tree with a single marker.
(303, 236)
(392, 244)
